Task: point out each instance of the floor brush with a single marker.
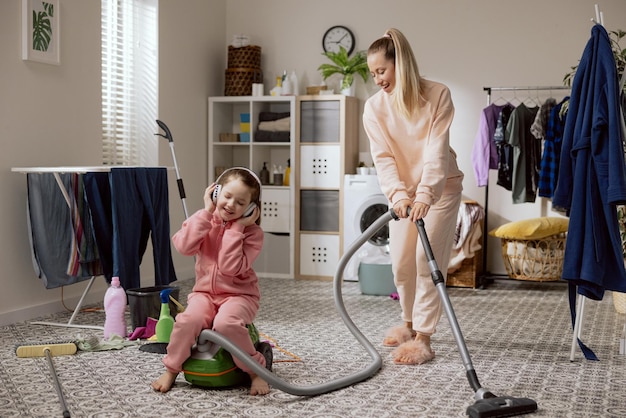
(487, 404)
(49, 350)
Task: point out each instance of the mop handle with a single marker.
(57, 383)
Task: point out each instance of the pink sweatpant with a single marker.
(419, 299)
(225, 315)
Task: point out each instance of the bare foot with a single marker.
(397, 335)
(164, 382)
(258, 385)
(417, 351)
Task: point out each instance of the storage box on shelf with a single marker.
(326, 148)
(231, 115)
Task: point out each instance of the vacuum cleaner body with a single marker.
(213, 367)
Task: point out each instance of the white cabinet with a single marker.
(229, 145)
(326, 149)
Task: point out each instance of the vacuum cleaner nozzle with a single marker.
(503, 406)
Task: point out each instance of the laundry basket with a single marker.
(619, 302)
(539, 260)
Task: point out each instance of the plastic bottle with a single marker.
(165, 325)
(264, 175)
(295, 89)
(287, 173)
(287, 89)
(114, 309)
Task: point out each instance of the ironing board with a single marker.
(56, 171)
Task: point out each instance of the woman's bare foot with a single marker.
(398, 335)
(417, 351)
(258, 385)
(164, 382)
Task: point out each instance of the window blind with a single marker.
(129, 82)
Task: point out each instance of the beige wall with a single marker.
(50, 115)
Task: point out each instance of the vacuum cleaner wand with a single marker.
(179, 180)
(487, 404)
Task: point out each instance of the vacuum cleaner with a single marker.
(212, 343)
(486, 403)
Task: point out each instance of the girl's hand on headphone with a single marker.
(208, 198)
(250, 220)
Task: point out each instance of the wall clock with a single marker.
(338, 36)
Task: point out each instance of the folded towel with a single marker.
(275, 125)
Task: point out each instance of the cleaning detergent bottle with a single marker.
(114, 309)
(286, 178)
(166, 323)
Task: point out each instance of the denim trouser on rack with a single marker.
(138, 206)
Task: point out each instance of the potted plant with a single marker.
(362, 168)
(618, 53)
(345, 66)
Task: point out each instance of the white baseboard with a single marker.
(49, 308)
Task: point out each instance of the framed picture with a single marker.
(41, 31)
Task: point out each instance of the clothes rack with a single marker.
(485, 275)
(56, 172)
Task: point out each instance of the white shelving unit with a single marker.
(278, 201)
(326, 149)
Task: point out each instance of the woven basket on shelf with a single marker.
(538, 260)
(239, 81)
(244, 57)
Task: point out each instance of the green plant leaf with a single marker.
(42, 29)
(344, 65)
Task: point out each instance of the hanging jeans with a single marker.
(50, 230)
(98, 194)
(136, 207)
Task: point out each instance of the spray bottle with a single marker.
(166, 323)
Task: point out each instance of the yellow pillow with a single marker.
(536, 228)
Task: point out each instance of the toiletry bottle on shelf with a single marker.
(287, 173)
(287, 89)
(278, 88)
(165, 325)
(278, 176)
(264, 175)
(295, 90)
(114, 309)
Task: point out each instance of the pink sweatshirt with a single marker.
(413, 158)
(225, 252)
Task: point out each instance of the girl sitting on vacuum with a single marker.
(225, 237)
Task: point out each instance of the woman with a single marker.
(408, 124)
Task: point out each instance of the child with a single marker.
(225, 237)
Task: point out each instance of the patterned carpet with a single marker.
(518, 335)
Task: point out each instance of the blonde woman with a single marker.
(407, 122)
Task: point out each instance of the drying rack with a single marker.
(486, 275)
(56, 171)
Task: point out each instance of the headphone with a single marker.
(218, 188)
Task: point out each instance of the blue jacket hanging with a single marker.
(592, 178)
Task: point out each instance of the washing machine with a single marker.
(363, 203)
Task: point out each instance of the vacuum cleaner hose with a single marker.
(339, 383)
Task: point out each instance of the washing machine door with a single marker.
(369, 215)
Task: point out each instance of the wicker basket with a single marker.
(239, 81)
(538, 260)
(244, 57)
(619, 302)
(468, 273)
